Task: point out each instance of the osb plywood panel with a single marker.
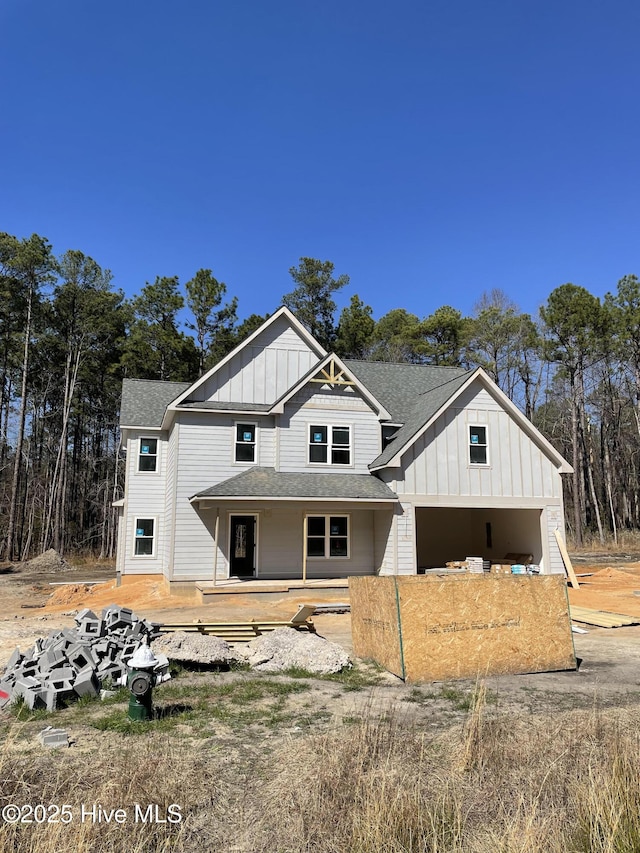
(464, 626)
(375, 628)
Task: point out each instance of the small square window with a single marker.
(328, 536)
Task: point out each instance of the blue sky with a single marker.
(431, 150)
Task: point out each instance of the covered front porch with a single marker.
(293, 529)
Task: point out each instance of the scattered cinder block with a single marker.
(53, 737)
(80, 656)
(14, 660)
(86, 683)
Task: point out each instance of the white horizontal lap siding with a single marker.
(205, 458)
(312, 406)
(405, 541)
(554, 519)
(438, 462)
(383, 541)
(262, 371)
(145, 498)
(281, 533)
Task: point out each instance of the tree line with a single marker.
(68, 337)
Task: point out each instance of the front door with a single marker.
(242, 562)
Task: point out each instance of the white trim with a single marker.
(534, 434)
(281, 312)
(278, 406)
(154, 537)
(141, 455)
(487, 461)
(255, 443)
(215, 500)
(330, 445)
(256, 516)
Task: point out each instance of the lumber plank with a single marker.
(573, 580)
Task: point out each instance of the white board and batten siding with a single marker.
(262, 371)
(438, 463)
(321, 405)
(144, 498)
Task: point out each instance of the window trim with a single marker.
(237, 443)
(486, 462)
(155, 455)
(330, 444)
(327, 535)
(154, 520)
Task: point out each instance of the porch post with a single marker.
(215, 553)
(304, 548)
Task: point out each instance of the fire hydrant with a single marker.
(141, 681)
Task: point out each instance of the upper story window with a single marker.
(245, 445)
(329, 445)
(148, 455)
(478, 449)
(388, 434)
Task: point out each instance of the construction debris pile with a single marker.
(276, 651)
(77, 661)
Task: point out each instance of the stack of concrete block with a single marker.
(78, 661)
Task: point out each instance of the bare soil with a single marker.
(608, 673)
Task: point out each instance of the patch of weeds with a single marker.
(417, 695)
(23, 714)
(463, 700)
(353, 678)
(120, 694)
(351, 721)
(308, 721)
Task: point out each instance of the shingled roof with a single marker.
(260, 482)
(144, 401)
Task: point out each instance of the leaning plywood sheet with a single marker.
(375, 626)
(464, 627)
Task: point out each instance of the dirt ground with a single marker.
(609, 659)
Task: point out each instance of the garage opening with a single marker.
(444, 534)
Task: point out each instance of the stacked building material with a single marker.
(77, 661)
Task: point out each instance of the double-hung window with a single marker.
(478, 448)
(144, 538)
(327, 536)
(148, 455)
(329, 445)
(245, 443)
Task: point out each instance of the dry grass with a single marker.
(531, 784)
(628, 542)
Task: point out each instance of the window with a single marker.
(330, 445)
(148, 456)
(478, 445)
(245, 443)
(388, 434)
(327, 536)
(144, 537)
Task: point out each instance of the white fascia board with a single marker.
(499, 395)
(118, 503)
(143, 428)
(213, 501)
(281, 312)
(278, 406)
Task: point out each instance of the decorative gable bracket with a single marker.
(332, 374)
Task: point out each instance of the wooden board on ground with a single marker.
(602, 618)
(464, 626)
